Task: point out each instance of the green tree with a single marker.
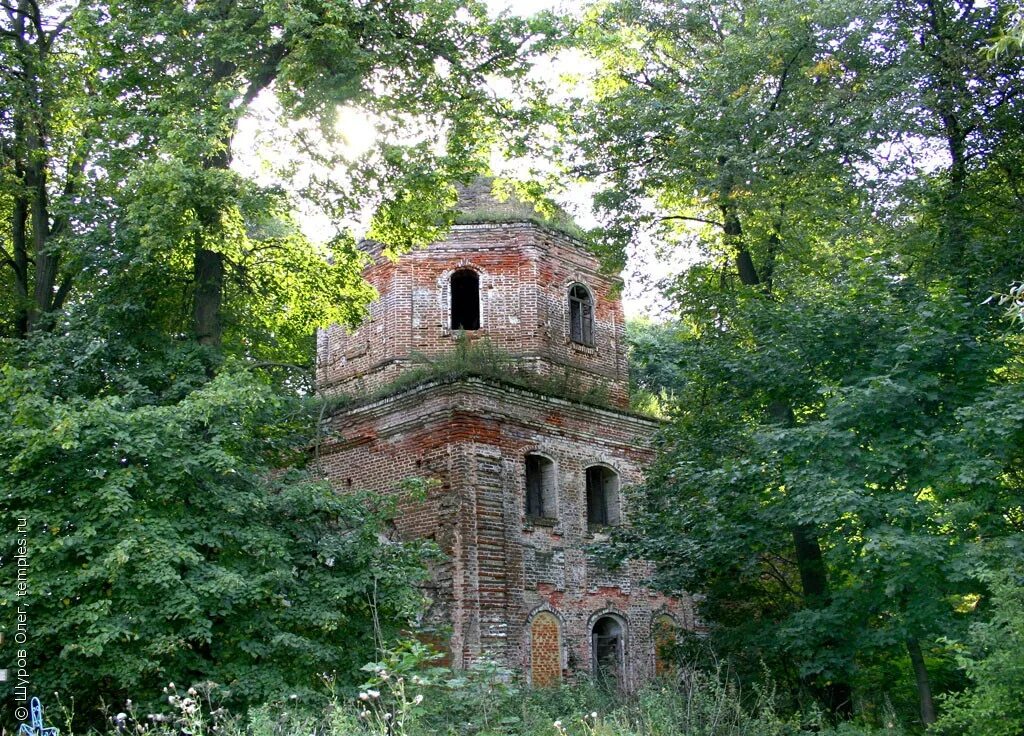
(813, 483)
(172, 535)
(136, 107)
(161, 308)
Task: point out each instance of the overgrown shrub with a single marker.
(169, 536)
(407, 694)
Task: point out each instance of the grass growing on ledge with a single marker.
(479, 358)
(499, 216)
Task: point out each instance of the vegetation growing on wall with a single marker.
(479, 359)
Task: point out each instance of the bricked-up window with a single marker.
(545, 651)
(541, 490)
(663, 633)
(602, 496)
(608, 651)
(465, 290)
(581, 315)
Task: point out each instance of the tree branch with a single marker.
(692, 219)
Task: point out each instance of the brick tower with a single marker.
(530, 467)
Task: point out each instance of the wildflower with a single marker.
(293, 696)
(593, 714)
(128, 703)
(373, 693)
(384, 674)
(387, 716)
(418, 699)
(364, 696)
(121, 718)
(558, 725)
(191, 691)
(170, 685)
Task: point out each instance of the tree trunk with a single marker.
(951, 90)
(208, 277)
(19, 222)
(924, 688)
(837, 696)
(46, 260)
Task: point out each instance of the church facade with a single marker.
(528, 475)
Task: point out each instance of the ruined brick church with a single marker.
(526, 477)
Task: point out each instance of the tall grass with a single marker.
(406, 696)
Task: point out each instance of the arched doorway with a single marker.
(608, 651)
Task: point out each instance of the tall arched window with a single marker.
(541, 490)
(581, 315)
(602, 496)
(465, 296)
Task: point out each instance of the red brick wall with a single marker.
(545, 651)
(524, 591)
(472, 435)
(525, 273)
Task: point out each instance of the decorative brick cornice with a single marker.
(411, 401)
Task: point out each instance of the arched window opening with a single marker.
(541, 491)
(545, 651)
(602, 496)
(664, 635)
(581, 315)
(608, 651)
(465, 293)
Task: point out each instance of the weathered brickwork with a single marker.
(525, 274)
(545, 650)
(519, 589)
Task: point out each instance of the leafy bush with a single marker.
(994, 660)
(166, 542)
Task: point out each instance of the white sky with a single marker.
(260, 149)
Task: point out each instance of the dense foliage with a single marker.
(158, 308)
(162, 549)
(840, 476)
(406, 694)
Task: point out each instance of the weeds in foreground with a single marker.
(407, 694)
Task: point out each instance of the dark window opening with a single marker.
(607, 649)
(602, 496)
(465, 287)
(541, 494)
(581, 315)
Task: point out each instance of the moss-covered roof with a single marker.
(478, 204)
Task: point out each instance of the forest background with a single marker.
(840, 473)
